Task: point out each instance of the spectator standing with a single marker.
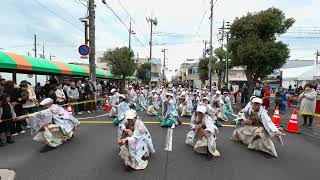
(82, 98)
(244, 94)
(235, 89)
(258, 90)
(90, 90)
(30, 98)
(39, 92)
(7, 115)
(281, 100)
(65, 89)
(16, 101)
(308, 104)
(73, 96)
(99, 93)
(61, 98)
(2, 82)
(266, 96)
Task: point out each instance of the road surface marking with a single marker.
(91, 117)
(146, 122)
(168, 145)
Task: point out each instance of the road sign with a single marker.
(84, 50)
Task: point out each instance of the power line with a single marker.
(131, 18)
(59, 16)
(108, 6)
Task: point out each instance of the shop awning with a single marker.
(26, 64)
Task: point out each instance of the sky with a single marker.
(182, 27)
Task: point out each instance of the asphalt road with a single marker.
(92, 154)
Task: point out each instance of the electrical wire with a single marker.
(59, 16)
(131, 18)
(109, 7)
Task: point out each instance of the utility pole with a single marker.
(317, 57)
(92, 38)
(164, 62)
(130, 32)
(43, 57)
(35, 45)
(227, 61)
(52, 56)
(205, 48)
(35, 54)
(210, 59)
(86, 26)
(152, 22)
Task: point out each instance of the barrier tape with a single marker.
(309, 113)
(83, 102)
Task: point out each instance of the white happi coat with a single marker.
(57, 125)
(185, 107)
(138, 145)
(203, 145)
(113, 101)
(247, 134)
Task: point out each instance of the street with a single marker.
(92, 154)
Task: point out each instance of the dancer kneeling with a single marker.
(257, 131)
(202, 137)
(135, 142)
(53, 125)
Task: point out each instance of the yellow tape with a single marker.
(309, 113)
(82, 102)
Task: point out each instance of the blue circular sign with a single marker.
(84, 50)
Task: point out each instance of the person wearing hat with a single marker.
(256, 131)
(135, 141)
(202, 136)
(218, 105)
(195, 101)
(141, 102)
(249, 104)
(122, 107)
(185, 106)
(113, 101)
(210, 111)
(227, 102)
(53, 125)
(170, 113)
(151, 110)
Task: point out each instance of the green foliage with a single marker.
(120, 61)
(203, 69)
(253, 43)
(143, 72)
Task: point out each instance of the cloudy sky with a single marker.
(183, 25)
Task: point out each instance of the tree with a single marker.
(121, 62)
(219, 64)
(203, 69)
(254, 46)
(143, 72)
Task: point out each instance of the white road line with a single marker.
(93, 117)
(168, 145)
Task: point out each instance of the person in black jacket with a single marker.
(90, 91)
(16, 101)
(7, 115)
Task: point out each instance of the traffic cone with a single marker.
(276, 117)
(107, 106)
(69, 109)
(293, 122)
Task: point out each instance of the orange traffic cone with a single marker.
(293, 122)
(107, 106)
(276, 117)
(69, 109)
